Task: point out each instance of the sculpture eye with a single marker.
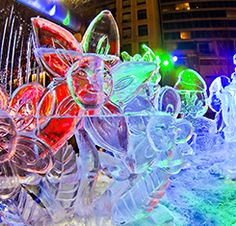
(3, 132)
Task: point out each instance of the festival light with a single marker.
(54, 10)
(175, 58)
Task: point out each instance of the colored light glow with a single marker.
(56, 10)
(52, 12)
(66, 21)
(165, 62)
(175, 58)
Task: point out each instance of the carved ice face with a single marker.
(7, 137)
(87, 82)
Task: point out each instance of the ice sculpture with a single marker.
(9, 181)
(228, 110)
(23, 105)
(8, 137)
(159, 159)
(150, 87)
(20, 153)
(102, 35)
(66, 101)
(222, 97)
(216, 90)
(168, 100)
(51, 41)
(194, 104)
(132, 136)
(87, 83)
(128, 79)
(192, 89)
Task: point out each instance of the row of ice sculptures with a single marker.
(132, 134)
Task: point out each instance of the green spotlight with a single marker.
(66, 21)
(166, 63)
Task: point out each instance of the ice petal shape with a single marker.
(128, 78)
(56, 61)
(125, 56)
(58, 114)
(110, 132)
(168, 100)
(50, 35)
(190, 80)
(23, 105)
(164, 132)
(33, 155)
(102, 35)
(192, 89)
(149, 55)
(55, 47)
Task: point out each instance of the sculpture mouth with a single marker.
(90, 97)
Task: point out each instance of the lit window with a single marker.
(231, 14)
(182, 6)
(185, 35)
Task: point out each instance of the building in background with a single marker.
(138, 20)
(202, 34)
(88, 9)
(139, 23)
